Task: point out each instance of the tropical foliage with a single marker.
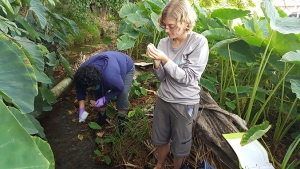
(32, 39)
(253, 69)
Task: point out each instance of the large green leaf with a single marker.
(137, 20)
(257, 26)
(255, 133)
(273, 61)
(61, 37)
(124, 43)
(73, 25)
(66, 25)
(144, 31)
(218, 34)
(24, 121)
(33, 50)
(17, 148)
(25, 3)
(284, 43)
(131, 31)
(207, 84)
(52, 61)
(65, 64)
(154, 19)
(39, 9)
(37, 125)
(291, 57)
(295, 85)
(229, 13)
(48, 95)
(238, 51)
(42, 77)
(158, 3)
(248, 36)
(245, 91)
(32, 33)
(224, 43)
(128, 9)
(6, 26)
(7, 6)
(153, 5)
(45, 150)
(284, 25)
(17, 77)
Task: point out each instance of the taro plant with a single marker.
(128, 146)
(291, 116)
(145, 78)
(139, 25)
(98, 140)
(258, 131)
(136, 90)
(31, 41)
(253, 78)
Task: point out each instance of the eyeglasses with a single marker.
(169, 27)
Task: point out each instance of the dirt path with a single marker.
(62, 129)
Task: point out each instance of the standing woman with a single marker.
(179, 61)
(108, 74)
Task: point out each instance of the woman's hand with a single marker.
(156, 54)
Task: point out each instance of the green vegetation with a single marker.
(128, 146)
(32, 40)
(253, 71)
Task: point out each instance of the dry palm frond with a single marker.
(208, 142)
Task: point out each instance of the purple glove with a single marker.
(81, 110)
(100, 102)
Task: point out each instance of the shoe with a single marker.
(121, 126)
(101, 119)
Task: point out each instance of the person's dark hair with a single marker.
(87, 76)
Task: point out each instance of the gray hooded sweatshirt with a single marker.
(180, 76)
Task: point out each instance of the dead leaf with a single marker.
(70, 112)
(92, 102)
(73, 120)
(100, 134)
(80, 137)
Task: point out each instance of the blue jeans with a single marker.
(122, 99)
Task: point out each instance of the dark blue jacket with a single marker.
(114, 67)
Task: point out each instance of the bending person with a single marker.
(108, 74)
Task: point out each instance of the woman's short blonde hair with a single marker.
(180, 11)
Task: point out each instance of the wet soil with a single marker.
(71, 142)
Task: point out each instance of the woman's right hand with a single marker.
(150, 50)
(81, 110)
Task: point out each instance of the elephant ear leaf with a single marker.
(39, 10)
(14, 138)
(124, 42)
(255, 133)
(17, 78)
(34, 51)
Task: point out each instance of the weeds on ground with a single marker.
(127, 148)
